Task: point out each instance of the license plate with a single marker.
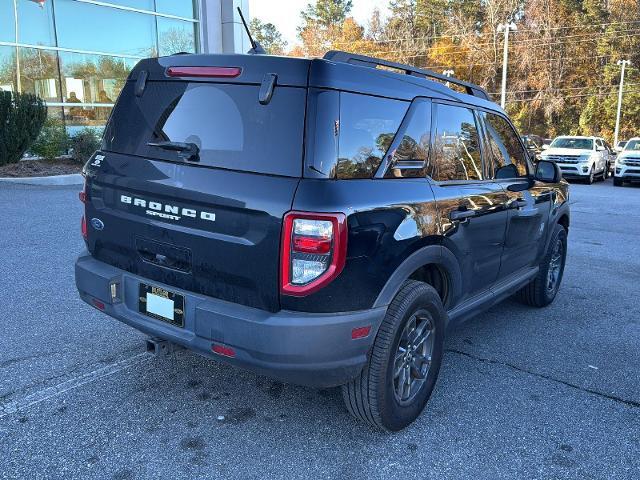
(161, 304)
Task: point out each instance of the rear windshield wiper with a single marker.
(186, 151)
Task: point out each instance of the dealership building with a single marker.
(76, 54)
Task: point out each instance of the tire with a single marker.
(617, 182)
(538, 292)
(373, 396)
(591, 178)
(605, 172)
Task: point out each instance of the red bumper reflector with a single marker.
(223, 350)
(83, 227)
(360, 332)
(223, 72)
(83, 196)
(98, 304)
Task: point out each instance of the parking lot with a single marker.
(523, 393)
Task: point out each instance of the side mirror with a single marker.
(544, 146)
(548, 172)
(600, 149)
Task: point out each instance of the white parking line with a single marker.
(53, 391)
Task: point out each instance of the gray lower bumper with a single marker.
(307, 349)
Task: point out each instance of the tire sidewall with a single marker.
(398, 416)
(561, 233)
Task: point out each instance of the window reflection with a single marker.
(76, 118)
(38, 71)
(414, 145)
(35, 23)
(367, 127)
(139, 4)
(509, 160)
(175, 36)
(93, 78)
(8, 69)
(92, 27)
(7, 23)
(182, 8)
(456, 146)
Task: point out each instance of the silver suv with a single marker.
(580, 157)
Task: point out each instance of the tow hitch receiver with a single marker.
(159, 347)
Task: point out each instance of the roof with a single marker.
(338, 71)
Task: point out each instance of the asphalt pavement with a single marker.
(523, 393)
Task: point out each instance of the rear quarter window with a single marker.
(367, 127)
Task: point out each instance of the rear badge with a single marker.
(97, 224)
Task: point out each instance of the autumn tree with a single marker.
(268, 36)
(321, 25)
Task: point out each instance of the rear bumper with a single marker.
(307, 349)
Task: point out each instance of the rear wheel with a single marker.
(542, 290)
(605, 173)
(395, 385)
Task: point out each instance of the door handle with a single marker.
(457, 215)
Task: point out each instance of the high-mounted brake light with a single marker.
(314, 251)
(221, 72)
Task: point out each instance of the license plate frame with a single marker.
(159, 301)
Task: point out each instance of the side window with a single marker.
(506, 153)
(414, 144)
(367, 127)
(456, 147)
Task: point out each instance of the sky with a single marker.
(285, 14)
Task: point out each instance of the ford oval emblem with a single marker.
(97, 224)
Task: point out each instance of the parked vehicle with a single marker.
(585, 158)
(620, 146)
(318, 221)
(627, 167)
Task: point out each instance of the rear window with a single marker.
(226, 121)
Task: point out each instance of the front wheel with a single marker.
(617, 182)
(395, 385)
(542, 290)
(592, 176)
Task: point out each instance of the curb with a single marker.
(53, 180)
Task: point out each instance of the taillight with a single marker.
(314, 250)
(213, 72)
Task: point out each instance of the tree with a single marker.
(326, 13)
(268, 36)
(321, 24)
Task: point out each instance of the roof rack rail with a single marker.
(365, 61)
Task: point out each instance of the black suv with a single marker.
(322, 222)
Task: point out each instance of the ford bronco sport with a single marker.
(319, 221)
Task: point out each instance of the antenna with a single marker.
(256, 48)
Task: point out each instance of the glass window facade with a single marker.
(76, 54)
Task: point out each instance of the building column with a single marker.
(221, 29)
